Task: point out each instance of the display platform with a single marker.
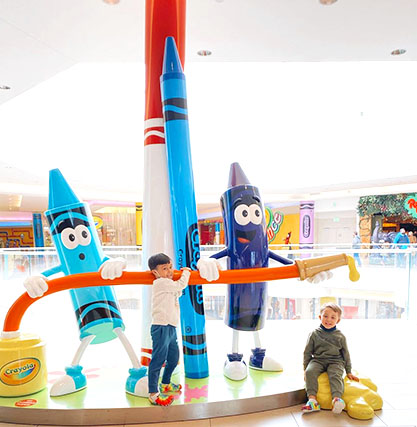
(104, 401)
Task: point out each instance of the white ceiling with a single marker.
(76, 77)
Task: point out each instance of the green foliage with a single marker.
(387, 205)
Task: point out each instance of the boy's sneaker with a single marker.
(310, 406)
(161, 400)
(170, 388)
(338, 405)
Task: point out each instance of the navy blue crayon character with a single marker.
(246, 247)
(96, 308)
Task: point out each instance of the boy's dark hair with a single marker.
(158, 259)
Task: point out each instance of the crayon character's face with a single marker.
(248, 218)
(164, 271)
(76, 240)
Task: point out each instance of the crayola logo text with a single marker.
(306, 226)
(20, 371)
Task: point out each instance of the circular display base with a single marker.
(105, 402)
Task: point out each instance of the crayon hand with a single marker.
(319, 277)
(112, 268)
(36, 286)
(208, 268)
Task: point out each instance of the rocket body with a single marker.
(183, 209)
(79, 251)
(163, 19)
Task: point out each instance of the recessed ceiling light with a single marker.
(4, 87)
(111, 2)
(204, 52)
(327, 2)
(398, 52)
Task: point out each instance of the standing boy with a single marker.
(326, 351)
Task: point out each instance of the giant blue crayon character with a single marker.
(184, 212)
(96, 308)
(246, 247)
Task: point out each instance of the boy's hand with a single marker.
(186, 268)
(208, 269)
(112, 268)
(352, 377)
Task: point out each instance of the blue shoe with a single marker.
(257, 358)
(259, 361)
(137, 382)
(73, 381)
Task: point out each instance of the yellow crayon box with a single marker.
(22, 365)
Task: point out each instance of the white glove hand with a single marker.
(319, 277)
(36, 286)
(112, 268)
(208, 268)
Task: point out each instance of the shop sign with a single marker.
(273, 223)
(98, 222)
(410, 205)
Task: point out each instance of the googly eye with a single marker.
(255, 214)
(69, 238)
(242, 215)
(83, 235)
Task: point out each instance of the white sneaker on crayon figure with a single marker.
(338, 405)
(73, 381)
(235, 368)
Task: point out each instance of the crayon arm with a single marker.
(279, 258)
(51, 271)
(220, 254)
(302, 269)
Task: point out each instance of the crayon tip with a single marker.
(60, 193)
(237, 176)
(172, 62)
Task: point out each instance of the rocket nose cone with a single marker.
(237, 176)
(172, 62)
(60, 193)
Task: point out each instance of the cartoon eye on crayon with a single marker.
(96, 308)
(246, 247)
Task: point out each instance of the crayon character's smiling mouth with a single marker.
(245, 237)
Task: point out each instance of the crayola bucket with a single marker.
(22, 365)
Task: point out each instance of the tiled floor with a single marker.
(291, 417)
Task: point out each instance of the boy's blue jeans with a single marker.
(164, 349)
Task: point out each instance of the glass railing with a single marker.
(386, 289)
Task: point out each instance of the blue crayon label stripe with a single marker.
(194, 339)
(190, 352)
(173, 115)
(177, 102)
(175, 108)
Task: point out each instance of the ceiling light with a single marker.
(4, 87)
(204, 52)
(111, 2)
(327, 2)
(398, 52)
